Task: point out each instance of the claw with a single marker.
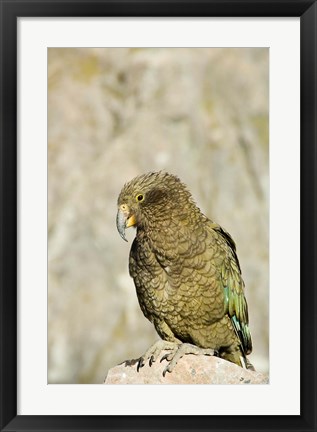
(164, 357)
(176, 352)
(140, 364)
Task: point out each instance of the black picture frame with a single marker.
(10, 11)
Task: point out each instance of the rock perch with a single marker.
(191, 369)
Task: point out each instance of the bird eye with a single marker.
(139, 197)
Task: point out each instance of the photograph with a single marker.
(158, 215)
(158, 223)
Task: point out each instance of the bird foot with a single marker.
(180, 350)
(154, 351)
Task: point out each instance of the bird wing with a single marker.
(235, 304)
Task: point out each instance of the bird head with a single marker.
(149, 200)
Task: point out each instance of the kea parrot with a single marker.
(186, 273)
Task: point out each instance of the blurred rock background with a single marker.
(113, 114)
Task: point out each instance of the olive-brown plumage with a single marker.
(186, 272)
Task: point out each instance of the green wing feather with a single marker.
(235, 302)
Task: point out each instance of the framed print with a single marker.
(221, 95)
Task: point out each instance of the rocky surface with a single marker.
(191, 369)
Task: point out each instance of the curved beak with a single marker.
(123, 222)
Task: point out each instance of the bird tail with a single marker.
(245, 346)
(249, 365)
(244, 335)
(236, 355)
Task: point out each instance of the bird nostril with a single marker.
(123, 207)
